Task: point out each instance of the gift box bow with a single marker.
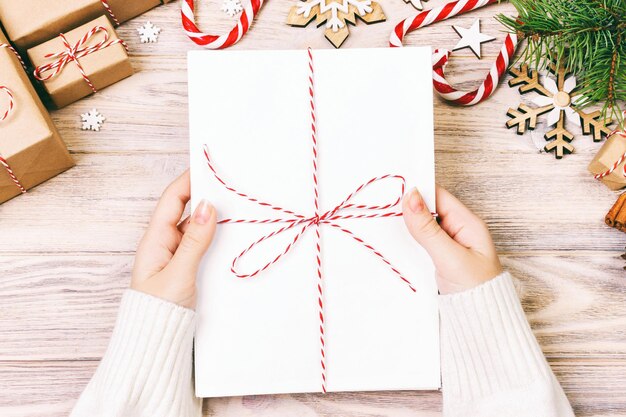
(74, 53)
(302, 222)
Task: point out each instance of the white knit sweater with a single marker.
(492, 365)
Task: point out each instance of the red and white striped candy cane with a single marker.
(5, 115)
(441, 56)
(250, 11)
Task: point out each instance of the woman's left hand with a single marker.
(170, 251)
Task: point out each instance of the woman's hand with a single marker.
(460, 244)
(170, 251)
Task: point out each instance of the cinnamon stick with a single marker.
(611, 217)
(620, 219)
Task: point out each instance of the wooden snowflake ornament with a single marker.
(335, 14)
(557, 99)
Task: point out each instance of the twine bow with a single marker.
(10, 108)
(302, 223)
(619, 160)
(346, 209)
(74, 53)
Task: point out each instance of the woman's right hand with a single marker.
(459, 244)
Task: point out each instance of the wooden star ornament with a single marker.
(471, 38)
(335, 15)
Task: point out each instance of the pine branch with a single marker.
(587, 36)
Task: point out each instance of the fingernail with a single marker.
(416, 203)
(203, 212)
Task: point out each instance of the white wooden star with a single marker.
(471, 38)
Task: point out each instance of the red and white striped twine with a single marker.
(5, 115)
(73, 53)
(3, 161)
(107, 7)
(250, 10)
(441, 56)
(302, 223)
(11, 104)
(620, 160)
(12, 49)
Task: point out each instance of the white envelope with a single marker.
(261, 335)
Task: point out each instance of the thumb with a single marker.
(197, 238)
(425, 230)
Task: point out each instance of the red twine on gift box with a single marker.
(619, 160)
(73, 53)
(107, 7)
(11, 105)
(5, 115)
(441, 56)
(302, 222)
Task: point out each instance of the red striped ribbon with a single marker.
(441, 56)
(5, 115)
(73, 53)
(301, 223)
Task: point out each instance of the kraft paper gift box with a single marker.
(29, 143)
(610, 153)
(261, 334)
(31, 22)
(102, 67)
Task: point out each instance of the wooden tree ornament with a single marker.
(528, 79)
(560, 139)
(591, 125)
(525, 117)
(335, 15)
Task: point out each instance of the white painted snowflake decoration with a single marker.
(231, 7)
(560, 99)
(149, 33)
(92, 120)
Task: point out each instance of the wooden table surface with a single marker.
(66, 247)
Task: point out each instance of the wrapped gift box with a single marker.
(611, 152)
(29, 143)
(261, 334)
(67, 83)
(32, 22)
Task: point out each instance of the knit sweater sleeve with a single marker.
(492, 365)
(147, 369)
